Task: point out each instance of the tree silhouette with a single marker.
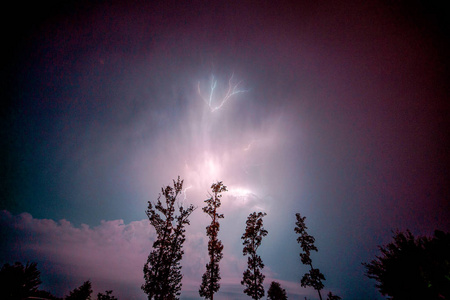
(210, 279)
(162, 272)
(46, 295)
(314, 277)
(253, 278)
(106, 296)
(18, 281)
(413, 268)
(330, 296)
(81, 293)
(276, 292)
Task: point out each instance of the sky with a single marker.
(340, 113)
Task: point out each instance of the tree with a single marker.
(81, 293)
(210, 279)
(253, 278)
(46, 295)
(18, 281)
(413, 268)
(275, 292)
(106, 296)
(314, 277)
(330, 296)
(162, 272)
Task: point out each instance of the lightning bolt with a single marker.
(184, 192)
(233, 89)
(248, 146)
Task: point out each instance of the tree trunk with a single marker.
(320, 296)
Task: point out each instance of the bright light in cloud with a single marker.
(203, 147)
(244, 197)
(239, 192)
(204, 171)
(215, 101)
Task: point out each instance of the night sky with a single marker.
(342, 115)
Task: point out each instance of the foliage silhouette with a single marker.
(162, 272)
(82, 292)
(314, 277)
(413, 268)
(107, 296)
(276, 292)
(210, 279)
(46, 295)
(253, 278)
(18, 281)
(330, 296)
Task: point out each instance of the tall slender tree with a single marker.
(314, 277)
(162, 272)
(210, 279)
(253, 278)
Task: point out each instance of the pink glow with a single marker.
(112, 254)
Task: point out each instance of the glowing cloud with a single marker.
(216, 102)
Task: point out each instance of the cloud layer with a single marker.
(109, 254)
(112, 256)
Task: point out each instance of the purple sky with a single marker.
(344, 118)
